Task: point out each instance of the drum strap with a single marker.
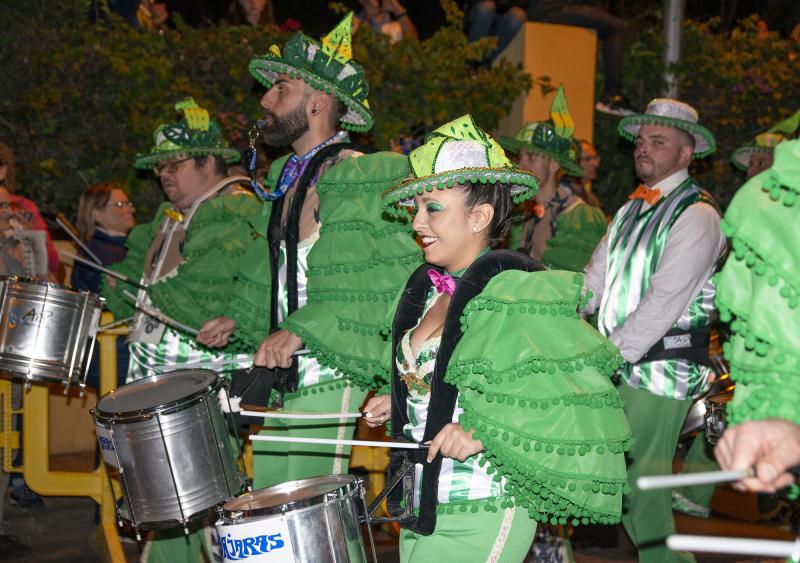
(681, 344)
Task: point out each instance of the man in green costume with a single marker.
(559, 229)
(188, 254)
(758, 294)
(757, 155)
(335, 262)
(187, 257)
(651, 278)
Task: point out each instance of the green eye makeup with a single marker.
(433, 206)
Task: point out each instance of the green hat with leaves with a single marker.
(456, 153)
(766, 142)
(196, 134)
(667, 112)
(327, 66)
(551, 138)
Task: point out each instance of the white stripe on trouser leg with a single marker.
(339, 453)
(502, 536)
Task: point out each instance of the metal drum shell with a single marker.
(176, 460)
(54, 352)
(323, 529)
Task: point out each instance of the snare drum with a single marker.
(167, 436)
(313, 520)
(45, 329)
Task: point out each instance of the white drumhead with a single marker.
(307, 491)
(156, 391)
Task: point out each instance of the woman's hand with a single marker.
(454, 442)
(378, 410)
(276, 350)
(217, 332)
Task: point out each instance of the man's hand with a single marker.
(452, 441)
(217, 332)
(378, 410)
(772, 446)
(277, 349)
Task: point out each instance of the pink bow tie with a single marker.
(443, 283)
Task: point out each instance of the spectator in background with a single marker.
(582, 186)
(502, 19)
(388, 17)
(27, 211)
(610, 29)
(105, 217)
(250, 12)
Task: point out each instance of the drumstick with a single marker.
(103, 269)
(158, 315)
(689, 479)
(221, 363)
(71, 231)
(337, 442)
(301, 415)
(740, 546)
(115, 323)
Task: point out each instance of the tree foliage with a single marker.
(740, 82)
(80, 99)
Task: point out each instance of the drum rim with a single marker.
(52, 285)
(170, 407)
(349, 487)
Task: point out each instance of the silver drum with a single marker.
(47, 331)
(168, 438)
(312, 520)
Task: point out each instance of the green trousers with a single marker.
(278, 462)
(700, 457)
(647, 515)
(504, 536)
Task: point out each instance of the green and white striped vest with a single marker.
(636, 241)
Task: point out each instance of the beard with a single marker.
(283, 131)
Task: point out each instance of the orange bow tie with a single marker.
(643, 192)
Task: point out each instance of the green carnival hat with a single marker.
(328, 67)
(552, 138)
(766, 142)
(196, 134)
(456, 153)
(670, 113)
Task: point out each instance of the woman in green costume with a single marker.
(758, 293)
(494, 369)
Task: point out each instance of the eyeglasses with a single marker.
(120, 204)
(170, 167)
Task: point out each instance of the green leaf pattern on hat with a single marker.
(551, 138)
(470, 154)
(327, 66)
(423, 159)
(196, 134)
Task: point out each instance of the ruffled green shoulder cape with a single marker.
(758, 291)
(539, 397)
(361, 261)
(221, 233)
(578, 231)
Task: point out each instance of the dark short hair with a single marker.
(220, 166)
(496, 195)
